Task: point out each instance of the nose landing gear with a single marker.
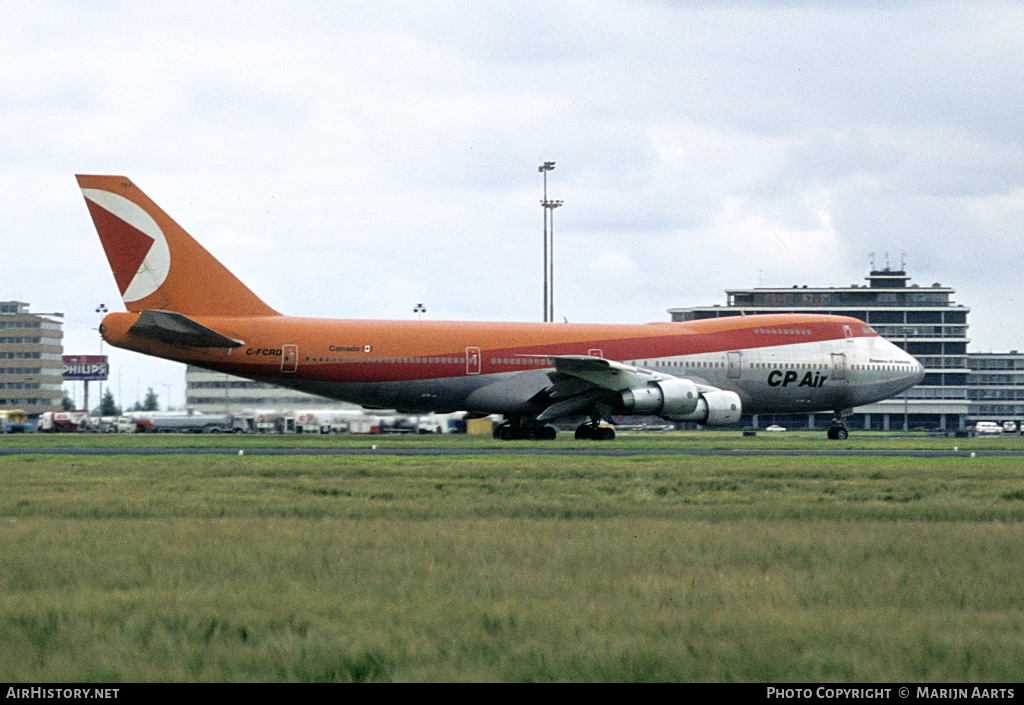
(838, 432)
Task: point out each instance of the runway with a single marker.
(512, 449)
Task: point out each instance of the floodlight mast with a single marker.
(550, 206)
(548, 269)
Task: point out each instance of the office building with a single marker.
(995, 387)
(31, 367)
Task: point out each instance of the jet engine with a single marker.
(679, 400)
(669, 397)
(715, 408)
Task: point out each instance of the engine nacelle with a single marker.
(679, 400)
(715, 408)
(669, 397)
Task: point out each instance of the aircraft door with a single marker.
(838, 366)
(289, 358)
(472, 361)
(735, 364)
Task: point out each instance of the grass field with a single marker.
(512, 567)
(861, 440)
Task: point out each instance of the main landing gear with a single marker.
(594, 432)
(519, 429)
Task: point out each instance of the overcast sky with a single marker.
(353, 159)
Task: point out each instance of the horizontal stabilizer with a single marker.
(177, 329)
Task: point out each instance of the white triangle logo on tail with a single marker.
(136, 247)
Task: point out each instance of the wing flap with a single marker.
(572, 405)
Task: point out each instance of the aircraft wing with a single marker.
(603, 373)
(615, 375)
(582, 384)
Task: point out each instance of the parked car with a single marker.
(775, 427)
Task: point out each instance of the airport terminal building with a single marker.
(923, 320)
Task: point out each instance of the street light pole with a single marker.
(544, 169)
(550, 206)
(101, 310)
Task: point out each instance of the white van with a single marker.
(987, 427)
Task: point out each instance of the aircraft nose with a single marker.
(918, 376)
(913, 376)
(914, 371)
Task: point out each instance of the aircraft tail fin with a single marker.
(156, 264)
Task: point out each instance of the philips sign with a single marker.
(87, 368)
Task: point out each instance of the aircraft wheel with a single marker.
(548, 433)
(842, 434)
(586, 432)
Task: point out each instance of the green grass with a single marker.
(511, 568)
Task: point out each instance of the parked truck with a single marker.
(267, 421)
(178, 422)
(325, 420)
(62, 421)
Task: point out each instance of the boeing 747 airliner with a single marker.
(184, 305)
